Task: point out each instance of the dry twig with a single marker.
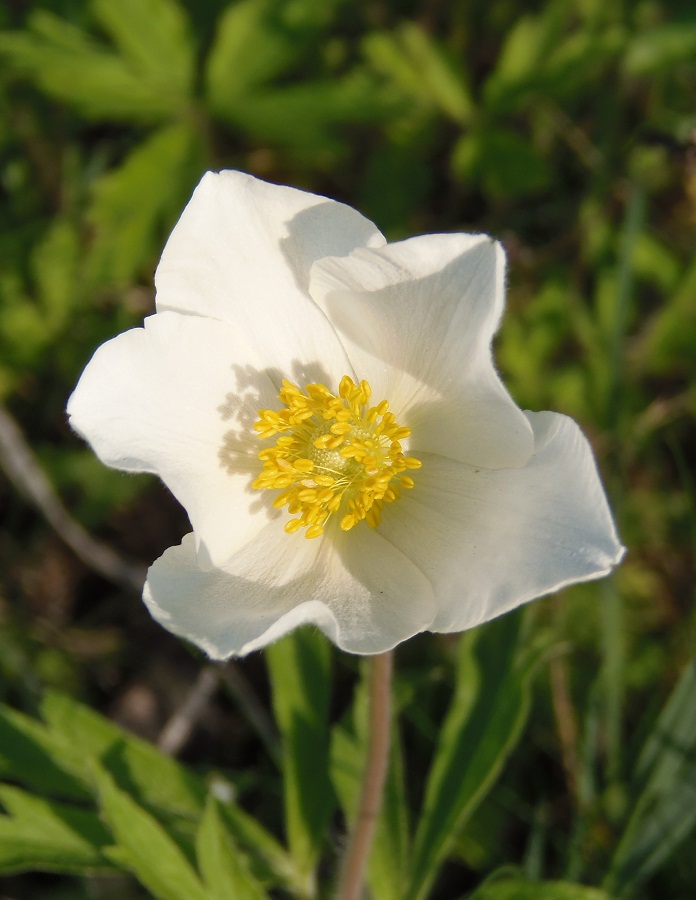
(180, 726)
(24, 471)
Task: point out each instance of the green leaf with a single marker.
(56, 761)
(246, 53)
(154, 36)
(145, 848)
(482, 726)
(519, 62)
(665, 812)
(224, 869)
(671, 335)
(543, 58)
(299, 668)
(656, 262)
(37, 313)
(521, 889)
(270, 861)
(55, 265)
(134, 206)
(255, 42)
(503, 160)
(30, 755)
(68, 64)
(389, 857)
(421, 68)
(306, 117)
(48, 836)
(525, 44)
(158, 782)
(660, 49)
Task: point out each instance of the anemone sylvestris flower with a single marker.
(325, 407)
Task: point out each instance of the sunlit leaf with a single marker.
(49, 836)
(145, 848)
(30, 755)
(546, 56)
(134, 205)
(255, 42)
(225, 871)
(484, 722)
(422, 69)
(307, 117)
(247, 52)
(270, 861)
(70, 65)
(156, 36)
(156, 780)
(300, 672)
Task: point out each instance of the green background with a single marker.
(565, 129)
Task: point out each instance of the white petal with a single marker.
(363, 594)
(417, 319)
(490, 540)
(241, 252)
(178, 398)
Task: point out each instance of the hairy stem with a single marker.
(363, 831)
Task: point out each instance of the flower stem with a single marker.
(374, 776)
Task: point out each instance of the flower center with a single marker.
(334, 454)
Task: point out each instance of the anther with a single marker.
(332, 455)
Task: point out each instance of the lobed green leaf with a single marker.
(255, 42)
(32, 756)
(133, 205)
(270, 861)
(49, 836)
(305, 117)
(71, 66)
(224, 869)
(156, 780)
(421, 68)
(145, 848)
(155, 35)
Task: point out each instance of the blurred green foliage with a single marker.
(564, 127)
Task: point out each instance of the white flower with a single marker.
(263, 290)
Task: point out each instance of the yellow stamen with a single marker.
(333, 454)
